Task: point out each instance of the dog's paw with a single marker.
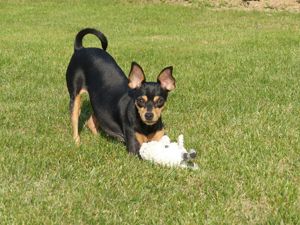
(77, 141)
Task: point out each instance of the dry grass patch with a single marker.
(259, 5)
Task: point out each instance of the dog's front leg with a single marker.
(133, 146)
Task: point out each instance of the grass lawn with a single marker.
(237, 102)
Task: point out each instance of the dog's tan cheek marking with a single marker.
(141, 111)
(157, 112)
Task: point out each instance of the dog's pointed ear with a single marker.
(166, 80)
(136, 76)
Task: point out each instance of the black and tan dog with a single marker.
(126, 108)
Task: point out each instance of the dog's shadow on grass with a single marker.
(86, 112)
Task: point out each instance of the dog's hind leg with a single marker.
(75, 108)
(75, 105)
(92, 124)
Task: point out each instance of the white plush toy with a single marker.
(168, 153)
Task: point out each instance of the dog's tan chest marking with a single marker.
(141, 138)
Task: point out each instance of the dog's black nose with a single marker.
(149, 116)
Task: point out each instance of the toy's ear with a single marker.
(136, 76)
(180, 141)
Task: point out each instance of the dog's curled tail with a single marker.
(82, 33)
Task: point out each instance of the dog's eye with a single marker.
(159, 103)
(140, 102)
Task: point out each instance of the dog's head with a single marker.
(150, 97)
